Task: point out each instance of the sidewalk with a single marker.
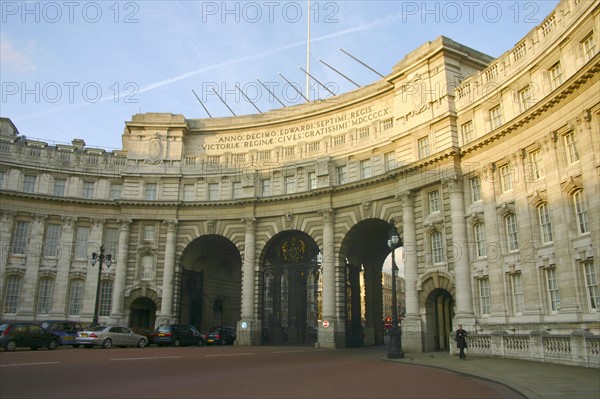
(531, 379)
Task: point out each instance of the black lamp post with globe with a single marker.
(101, 259)
(395, 350)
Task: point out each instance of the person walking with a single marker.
(461, 342)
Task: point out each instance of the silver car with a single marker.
(109, 336)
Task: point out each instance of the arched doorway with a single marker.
(437, 295)
(210, 283)
(142, 313)
(291, 290)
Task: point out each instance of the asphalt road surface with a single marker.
(229, 372)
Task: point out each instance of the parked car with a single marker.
(146, 332)
(178, 334)
(109, 336)
(21, 334)
(221, 335)
(64, 329)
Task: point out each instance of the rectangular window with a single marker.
(341, 174)
(434, 201)
(111, 242)
(189, 192)
(516, 282)
(495, 117)
(390, 160)
(553, 294)
(52, 246)
(13, 291)
(475, 183)
(423, 145)
(20, 238)
(149, 233)
(1, 180)
(571, 148)
(484, 296)
(147, 268)
(29, 183)
(45, 296)
(437, 248)
(511, 232)
(59, 187)
(591, 283)
(580, 212)
(106, 290)
(506, 178)
(265, 187)
(81, 242)
(213, 192)
(545, 224)
(526, 99)
(555, 73)
(88, 189)
(312, 180)
(480, 241)
(536, 166)
(75, 298)
(289, 184)
(236, 190)
(388, 124)
(588, 45)
(467, 132)
(365, 168)
(150, 191)
(115, 191)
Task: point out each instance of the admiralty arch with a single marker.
(489, 168)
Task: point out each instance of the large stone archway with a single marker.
(364, 250)
(210, 283)
(436, 296)
(292, 289)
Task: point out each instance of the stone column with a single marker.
(117, 313)
(411, 325)
(28, 294)
(462, 275)
(91, 281)
(166, 307)
(6, 226)
(328, 326)
(60, 306)
(248, 329)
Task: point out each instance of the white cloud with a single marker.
(16, 59)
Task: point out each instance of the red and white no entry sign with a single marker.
(325, 323)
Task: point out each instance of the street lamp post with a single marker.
(106, 259)
(395, 349)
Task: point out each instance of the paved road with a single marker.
(230, 372)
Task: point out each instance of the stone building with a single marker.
(489, 167)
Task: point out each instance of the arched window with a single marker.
(75, 297)
(45, 291)
(580, 211)
(480, 241)
(512, 235)
(13, 291)
(437, 247)
(545, 223)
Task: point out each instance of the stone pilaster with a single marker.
(248, 329)
(166, 308)
(326, 334)
(118, 311)
(28, 295)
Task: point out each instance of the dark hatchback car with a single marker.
(178, 335)
(22, 334)
(64, 329)
(221, 335)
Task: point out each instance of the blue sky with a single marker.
(80, 69)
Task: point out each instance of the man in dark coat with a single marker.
(461, 341)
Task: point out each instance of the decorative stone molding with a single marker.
(475, 218)
(98, 223)
(432, 227)
(77, 274)
(538, 198)
(172, 224)
(288, 221)
(405, 197)
(39, 217)
(505, 209)
(124, 223)
(327, 214)
(68, 221)
(572, 184)
(367, 209)
(211, 226)
(453, 184)
(249, 222)
(15, 271)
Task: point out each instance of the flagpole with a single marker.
(308, 52)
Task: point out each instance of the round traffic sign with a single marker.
(325, 323)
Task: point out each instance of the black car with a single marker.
(23, 334)
(177, 335)
(64, 329)
(221, 335)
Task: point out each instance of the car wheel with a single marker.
(107, 344)
(176, 343)
(52, 345)
(200, 342)
(10, 346)
(141, 343)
